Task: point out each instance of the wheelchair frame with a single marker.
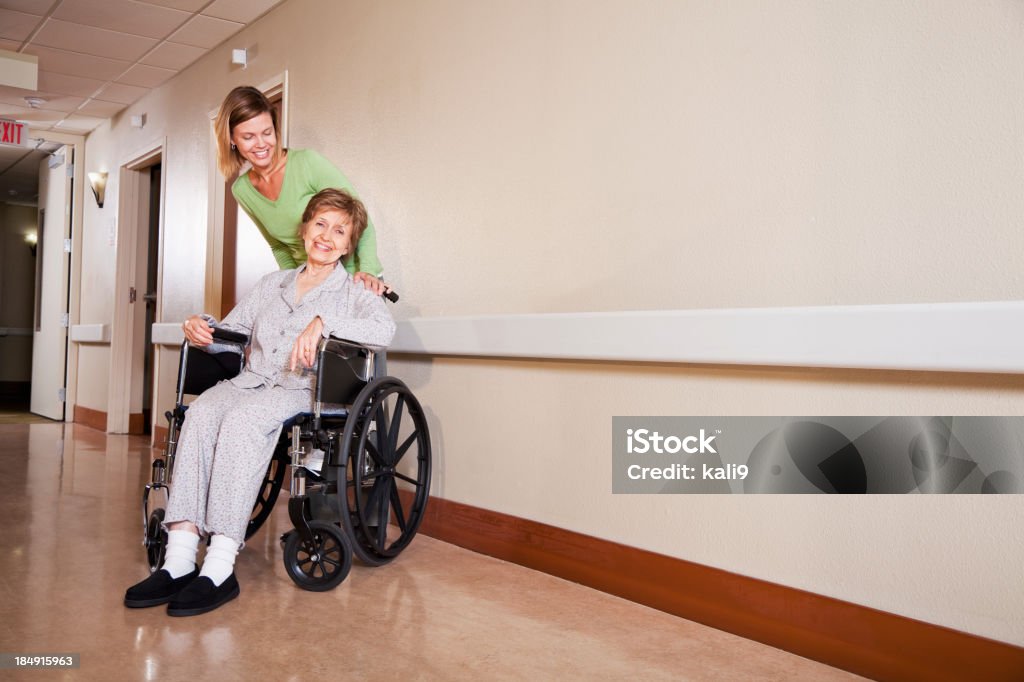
(337, 508)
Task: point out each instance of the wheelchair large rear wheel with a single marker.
(269, 489)
(386, 459)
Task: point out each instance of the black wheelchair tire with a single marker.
(156, 540)
(319, 565)
(370, 542)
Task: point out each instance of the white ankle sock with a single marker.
(219, 562)
(180, 559)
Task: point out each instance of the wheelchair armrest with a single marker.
(228, 336)
(347, 349)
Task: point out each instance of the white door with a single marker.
(49, 345)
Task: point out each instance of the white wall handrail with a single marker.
(90, 333)
(947, 337)
(167, 334)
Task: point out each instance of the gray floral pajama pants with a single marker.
(223, 452)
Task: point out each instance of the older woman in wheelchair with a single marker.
(305, 398)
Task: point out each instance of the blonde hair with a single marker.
(339, 200)
(243, 103)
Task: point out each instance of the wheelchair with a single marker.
(358, 464)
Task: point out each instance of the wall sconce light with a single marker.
(98, 182)
(31, 238)
(240, 57)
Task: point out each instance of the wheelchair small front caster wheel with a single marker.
(319, 565)
(156, 540)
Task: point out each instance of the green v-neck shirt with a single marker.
(305, 174)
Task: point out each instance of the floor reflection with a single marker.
(71, 543)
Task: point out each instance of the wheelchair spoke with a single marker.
(374, 453)
(373, 496)
(405, 478)
(382, 430)
(396, 504)
(404, 447)
(396, 423)
(382, 515)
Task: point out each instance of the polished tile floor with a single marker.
(70, 545)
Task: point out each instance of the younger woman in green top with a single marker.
(279, 183)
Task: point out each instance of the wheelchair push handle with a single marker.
(391, 295)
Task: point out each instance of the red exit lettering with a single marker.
(12, 132)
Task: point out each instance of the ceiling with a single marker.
(98, 56)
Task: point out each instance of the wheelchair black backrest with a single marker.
(206, 369)
(199, 369)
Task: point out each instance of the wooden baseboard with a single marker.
(94, 419)
(159, 436)
(862, 640)
(98, 420)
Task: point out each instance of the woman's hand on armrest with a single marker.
(198, 331)
(304, 350)
(374, 284)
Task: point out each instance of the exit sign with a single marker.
(13, 133)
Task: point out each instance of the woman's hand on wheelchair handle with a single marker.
(305, 347)
(374, 284)
(198, 331)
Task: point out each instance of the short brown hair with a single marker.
(339, 200)
(241, 104)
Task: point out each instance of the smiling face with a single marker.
(327, 236)
(256, 141)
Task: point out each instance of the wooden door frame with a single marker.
(122, 331)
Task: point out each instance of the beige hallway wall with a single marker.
(596, 156)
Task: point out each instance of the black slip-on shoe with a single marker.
(202, 595)
(159, 588)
